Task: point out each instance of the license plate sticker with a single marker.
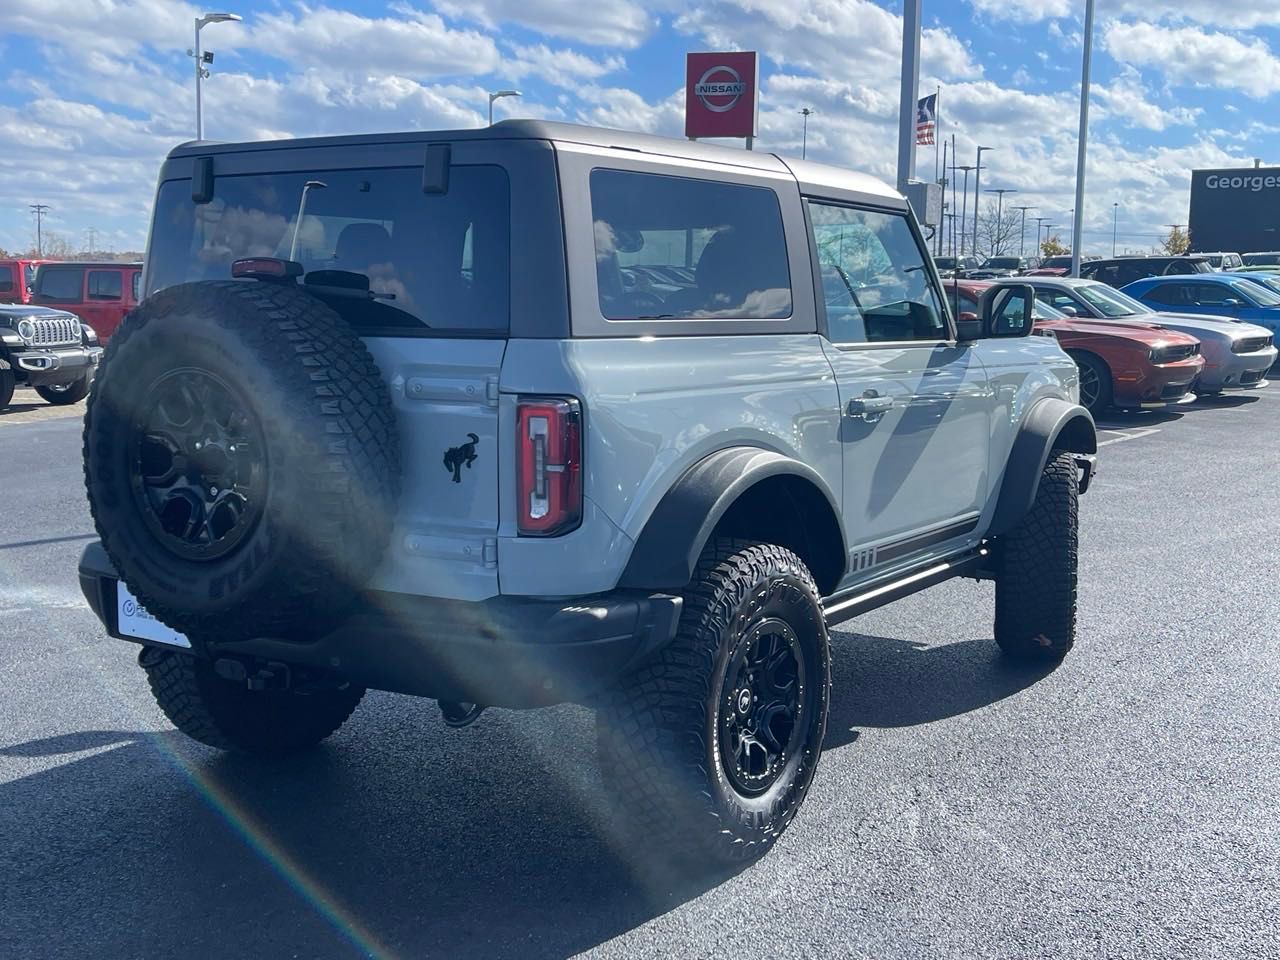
(134, 621)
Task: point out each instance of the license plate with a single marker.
(134, 621)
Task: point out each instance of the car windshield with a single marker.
(373, 245)
(944, 263)
(1261, 295)
(1262, 259)
(1108, 302)
(1265, 281)
(1003, 263)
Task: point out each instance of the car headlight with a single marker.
(90, 334)
(26, 330)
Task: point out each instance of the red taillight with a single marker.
(549, 458)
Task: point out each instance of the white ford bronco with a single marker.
(540, 413)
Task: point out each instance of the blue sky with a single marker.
(95, 92)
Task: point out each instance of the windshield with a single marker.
(1108, 302)
(1262, 259)
(1003, 263)
(1263, 280)
(944, 263)
(1259, 294)
(373, 245)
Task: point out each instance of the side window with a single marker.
(873, 277)
(1169, 294)
(59, 284)
(651, 230)
(6, 280)
(105, 285)
(1210, 294)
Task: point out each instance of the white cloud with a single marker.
(610, 23)
(1190, 56)
(1129, 101)
(562, 68)
(1232, 14)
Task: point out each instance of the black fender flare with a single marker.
(1051, 424)
(666, 552)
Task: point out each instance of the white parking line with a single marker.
(1122, 435)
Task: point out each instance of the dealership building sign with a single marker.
(721, 94)
(1235, 209)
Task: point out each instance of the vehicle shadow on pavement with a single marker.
(428, 846)
(1128, 419)
(883, 682)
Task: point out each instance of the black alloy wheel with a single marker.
(763, 701)
(199, 464)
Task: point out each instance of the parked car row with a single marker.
(57, 317)
(1132, 354)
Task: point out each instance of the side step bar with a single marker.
(860, 600)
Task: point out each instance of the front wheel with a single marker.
(1096, 388)
(229, 716)
(712, 744)
(1036, 570)
(65, 394)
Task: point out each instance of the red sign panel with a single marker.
(721, 94)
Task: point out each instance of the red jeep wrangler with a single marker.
(16, 278)
(100, 294)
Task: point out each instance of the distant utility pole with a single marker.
(91, 240)
(39, 209)
(1022, 243)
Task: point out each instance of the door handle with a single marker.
(862, 406)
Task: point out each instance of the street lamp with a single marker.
(204, 59)
(1000, 216)
(1115, 225)
(498, 95)
(964, 207)
(805, 112)
(302, 212)
(977, 192)
(1022, 243)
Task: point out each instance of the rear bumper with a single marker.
(505, 651)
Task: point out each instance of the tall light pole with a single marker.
(805, 112)
(1077, 223)
(964, 207)
(977, 192)
(302, 212)
(39, 209)
(909, 93)
(1115, 225)
(498, 95)
(1022, 244)
(1000, 215)
(203, 59)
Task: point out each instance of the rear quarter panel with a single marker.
(652, 408)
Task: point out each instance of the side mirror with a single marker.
(1232, 303)
(969, 327)
(1070, 311)
(1007, 310)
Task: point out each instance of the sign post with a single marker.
(722, 95)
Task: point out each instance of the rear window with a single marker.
(435, 264)
(62, 284)
(726, 239)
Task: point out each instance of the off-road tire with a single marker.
(229, 716)
(1106, 388)
(332, 465)
(74, 393)
(658, 731)
(7, 384)
(1036, 570)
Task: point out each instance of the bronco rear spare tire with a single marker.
(241, 459)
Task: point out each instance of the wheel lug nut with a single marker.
(199, 444)
(213, 491)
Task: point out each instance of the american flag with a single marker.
(926, 120)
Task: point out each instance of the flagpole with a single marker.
(937, 128)
(943, 180)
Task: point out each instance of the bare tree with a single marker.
(998, 234)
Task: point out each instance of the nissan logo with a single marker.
(720, 89)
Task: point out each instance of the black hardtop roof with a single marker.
(604, 138)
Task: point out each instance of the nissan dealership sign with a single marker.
(721, 94)
(1236, 209)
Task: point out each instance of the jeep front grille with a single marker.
(55, 331)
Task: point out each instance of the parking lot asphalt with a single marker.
(1121, 805)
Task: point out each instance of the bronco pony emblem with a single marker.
(456, 458)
